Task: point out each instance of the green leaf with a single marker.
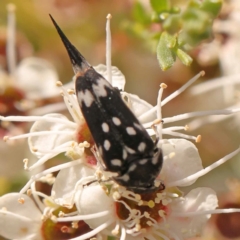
(196, 26)
(212, 6)
(140, 15)
(173, 23)
(184, 57)
(160, 5)
(165, 50)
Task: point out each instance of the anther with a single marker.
(171, 155)
(5, 138)
(116, 196)
(109, 16)
(25, 161)
(198, 139)
(146, 214)
(59, 84)
(21, 200)
(151, 204)
(34, 149)
(61, 214)
(75, 224)
(29, 192)
(149, 223)
(53, 218)
(163, 85)
(71, 91)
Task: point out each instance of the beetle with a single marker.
(122, 142)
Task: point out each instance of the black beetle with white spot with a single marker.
(123, 144)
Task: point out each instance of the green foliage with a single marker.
(173, 30)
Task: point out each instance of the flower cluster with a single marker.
(85, 203)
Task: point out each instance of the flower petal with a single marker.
(140, 106)
(93, 199)
(197, 200)
(37, 77)
(63, 188)
(51, 140)
(19, 220)
(181, 160)
(118, 79)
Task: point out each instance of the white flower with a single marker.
(110, 209)
(19, 217)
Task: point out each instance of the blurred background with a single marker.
(84, 21)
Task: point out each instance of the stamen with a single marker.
(115, 231)
(180, 135)
(50, 170)
(50, 108)
(72, 105)
(197, 213)
(38, 118)
(37, 199)
(159, 109)
(54, 152)
(95, 231)
(11, 39)
(164, 237)
(201, 113)
(123, 233)
(204, 171)
(195, 114)
(42, 133)
(170, 97)
(83, 217)
(108, 49)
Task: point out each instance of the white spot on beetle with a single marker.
(130, 150)
(132, 168)
(86, 97)
(154, 160)
(125, 177)
(107, 145)
(141, 146)
(116, 121)
(138, 126)
(105, 127)
(131, 131)
(124, 154)
(143, 161)
(99, 88)
(116, 162)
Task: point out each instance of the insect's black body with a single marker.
(123, 144)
